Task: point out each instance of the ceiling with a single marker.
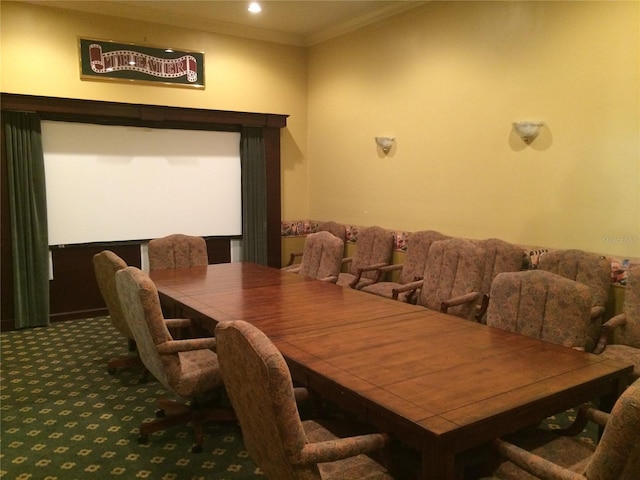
(295, 22)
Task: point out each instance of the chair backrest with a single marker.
(542, 305)
(322, 255)
(105, 266)
(177, 251)
(418, 245)
(337, 229)
(259, 386)
(374, 245)
(618, 452)
(454, 267)
(139, 298)
(629, 333)
(500, 256)
(588, 268)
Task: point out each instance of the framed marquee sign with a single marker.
(126, 62)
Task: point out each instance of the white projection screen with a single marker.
(109, 183)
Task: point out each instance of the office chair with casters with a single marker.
(336, 229)
(542, 305)
(374, 247)
(500, 256)
(177, 251)
(452, 278)
(322, 257)
(105, 266)
(620, 336)
(259, 385)
(411, 269)
(541, 453)
(591, 269)
(187, 368)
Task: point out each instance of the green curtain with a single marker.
(28, 207)
(254, 195)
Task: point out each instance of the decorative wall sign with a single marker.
(106, 60)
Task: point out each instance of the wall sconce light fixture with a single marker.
(385, 143)
(528, 130)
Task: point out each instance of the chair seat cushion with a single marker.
(200, 373)
(360, 467)
(624, 353)
(385, 289)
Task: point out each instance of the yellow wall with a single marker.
(39, 50)
(446, 80)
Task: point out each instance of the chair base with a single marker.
(172, 414)
(123, 362)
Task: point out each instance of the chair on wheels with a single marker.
(452, 278)
(105, 266)
(188, 368)
(259, 385)
(542, 305)
(374, 247)
(177, 251)
(620, 337)
(591, 269)
(540, 453)
(411, 269)
(336, 229)
(322, 257)
(500, 256)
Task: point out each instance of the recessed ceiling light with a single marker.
(254, 7)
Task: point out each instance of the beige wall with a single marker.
(39, 50)
(447, 79)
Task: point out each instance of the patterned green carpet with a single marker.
(63, 417)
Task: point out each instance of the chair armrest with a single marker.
(407, 287)
(366, 268)
(292, 258)
(584, 414)
(532, 463)
(606, 332)
(597, 312)
(340, 448)
(459, 300)
(346, 260)
(186, 345)
(381, 271)
(483, 308)
(292, 269)
(330, 279)
(177, 322)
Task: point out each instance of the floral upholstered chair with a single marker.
(105, 266)
(334, 228)
(259, 385)
(620, 338)
(590, 269)
(374, 247)
(411, 269)
(542, 305)
(187, 368)
(539, 453)
(177, 251)
(452, 278)
(500, 256)
(321, 258)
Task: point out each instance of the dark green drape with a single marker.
(28, 207)
(254, 196)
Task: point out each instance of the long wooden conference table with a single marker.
(439, 383)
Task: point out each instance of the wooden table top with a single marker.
(441, 383)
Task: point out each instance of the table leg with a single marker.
(437, 464)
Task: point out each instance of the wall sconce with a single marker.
(528, 130)
(385, 143)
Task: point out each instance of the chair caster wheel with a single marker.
(143, 439)
(161, 413)
(111, 371)
(196, 449)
